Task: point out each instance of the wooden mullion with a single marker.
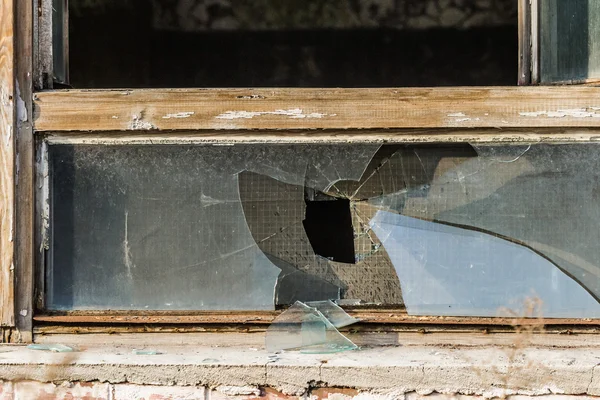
(24, 171)
(534, 25)
(7, 163)
(524, 42)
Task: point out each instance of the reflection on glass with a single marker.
(439, 229)
(569, 32)
(446, 270)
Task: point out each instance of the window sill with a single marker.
(489, 365)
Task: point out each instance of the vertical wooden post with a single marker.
(524, 42)
(535, 41)
(7, 163)
(16, 168)
(24, 177)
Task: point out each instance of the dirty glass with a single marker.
(569, 32)
(438, 229)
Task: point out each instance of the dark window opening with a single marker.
(328, 225)
(309, 43)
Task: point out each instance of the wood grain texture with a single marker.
(7, 163)
(524, 42)
(261, 318)
(24, 174)
(216, 109)
(534, 26)
(445, 135)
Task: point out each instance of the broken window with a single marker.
(457, 229)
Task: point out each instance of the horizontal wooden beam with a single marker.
(289, 109)
(365, 136)
(260, 318)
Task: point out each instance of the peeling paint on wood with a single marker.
(295, 113)
(589, 112)
(138, 124)
(7, 162)
(301, 108)
(185, 114)
(454, 135)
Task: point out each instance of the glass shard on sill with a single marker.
(146, 352)
(306, 328)
(334, 313)
(55, 348)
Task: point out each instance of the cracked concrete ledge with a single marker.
(486, 371)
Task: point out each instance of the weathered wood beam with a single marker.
(216, 109)
(8, 100)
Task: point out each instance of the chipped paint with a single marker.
(21, 108)
(293, 113)
(589, 112)
(115, 117)
(462, 119)
(184, 114)
(458, 114)
(23, 312)
(127, 249)
(44, 178)
(138, 124)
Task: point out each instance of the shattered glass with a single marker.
(310, 328)
(55, 348)
(440, 229)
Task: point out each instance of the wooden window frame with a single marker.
(473, 114)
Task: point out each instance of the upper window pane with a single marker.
(570, 45)
(292, 43)
(438, 229)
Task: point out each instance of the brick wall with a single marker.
(30, 390)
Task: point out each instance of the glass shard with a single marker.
(334, 313)
(55, 348)
(146, 352)
(447, 270)
(305, 328)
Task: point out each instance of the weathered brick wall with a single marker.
(30, 390)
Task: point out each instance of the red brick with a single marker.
(30, 390)
(149, 392)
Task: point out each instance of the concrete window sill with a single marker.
(468, 364)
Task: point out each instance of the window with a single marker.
(182, 205)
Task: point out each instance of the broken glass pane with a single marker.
(164, 227)
(445, 229)
(310, 329)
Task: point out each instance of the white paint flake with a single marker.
(294, 113)
(127, 249)
(21, 109)
(458, 114)
(23, 313)
(138, 124)
(590, 112)
(184, 114)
